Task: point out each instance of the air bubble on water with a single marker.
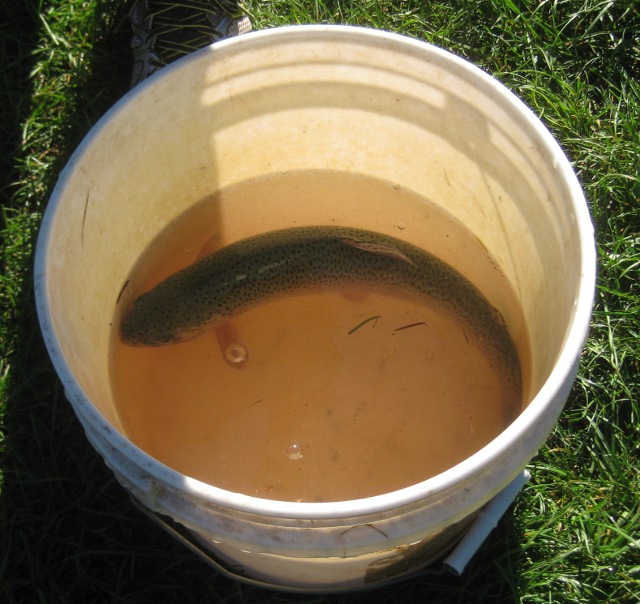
(236, 354)
(294, 451)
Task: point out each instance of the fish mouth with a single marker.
(136, 330)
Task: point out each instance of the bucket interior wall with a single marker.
(378, 109)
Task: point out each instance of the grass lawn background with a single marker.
(68, 532)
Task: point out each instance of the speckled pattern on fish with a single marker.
(191, 301)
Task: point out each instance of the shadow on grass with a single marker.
(18, 38)
(68, 532)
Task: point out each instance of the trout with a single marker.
(236, 277)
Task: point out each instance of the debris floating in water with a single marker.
(363, 323)
(409, 326)
(294, 451)
(236, 354)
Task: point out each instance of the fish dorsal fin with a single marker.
(375, 247)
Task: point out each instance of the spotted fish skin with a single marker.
(240, 275)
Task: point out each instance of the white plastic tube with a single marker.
(485, 522)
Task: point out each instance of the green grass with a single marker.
(69, 534)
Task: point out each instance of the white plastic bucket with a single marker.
(347, 99)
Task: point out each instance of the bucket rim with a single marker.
(563, 372)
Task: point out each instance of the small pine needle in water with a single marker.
(359, 325)
(409, 326)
